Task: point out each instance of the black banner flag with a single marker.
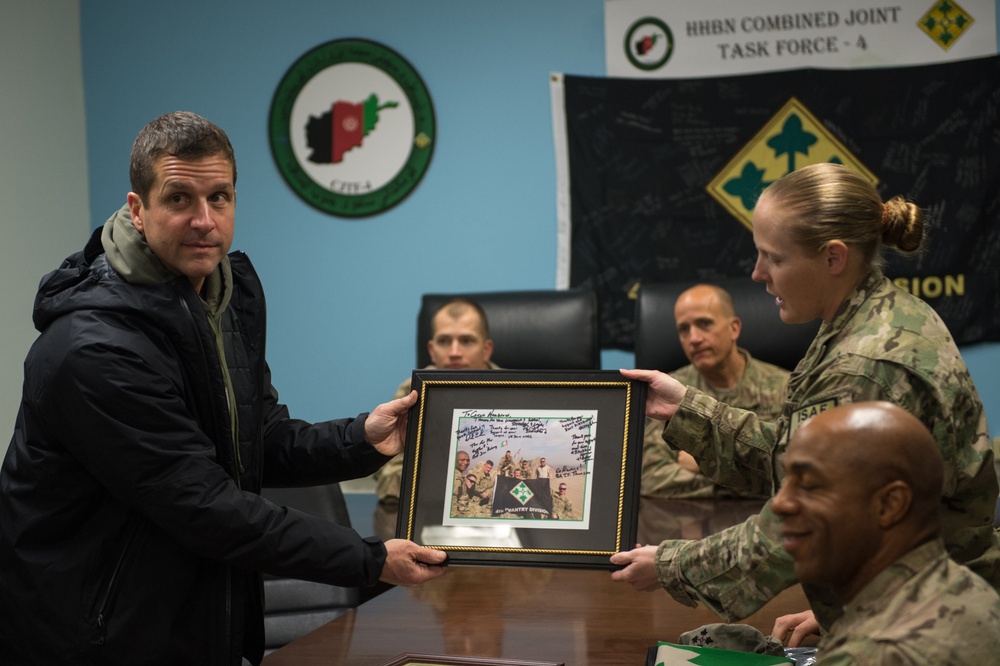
(523, 498)
(664, 174)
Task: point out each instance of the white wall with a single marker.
(43, 169)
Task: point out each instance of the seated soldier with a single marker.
(859, 507)
(708, 329)
(506, 467)
(460, 341)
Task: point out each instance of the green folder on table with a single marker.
(670, 654)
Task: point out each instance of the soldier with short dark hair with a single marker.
(460, 340)
(562, 507)
(506, 467)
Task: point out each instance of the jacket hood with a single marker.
(103, 276)
(129, 254)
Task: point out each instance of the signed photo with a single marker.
(516, 465)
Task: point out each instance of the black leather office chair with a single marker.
(531, 330)
(295, 607)
(763, 334)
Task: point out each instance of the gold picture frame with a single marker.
(584, 426)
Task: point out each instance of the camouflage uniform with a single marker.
(922, 609)
(883, 344)
(462, 502)
(483, 490)
(468, 500)
(760, 389)
(506, 466)
(478, 508)
(485, 482)
(562, 507)
(460, 498)
(387, 478)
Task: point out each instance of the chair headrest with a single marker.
(764, 335)
(531, 330)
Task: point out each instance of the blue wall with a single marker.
(343, 294)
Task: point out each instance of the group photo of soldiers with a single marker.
(516, 485)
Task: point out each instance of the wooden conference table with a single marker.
(577, 617)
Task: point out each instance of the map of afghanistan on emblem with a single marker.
(352, 128)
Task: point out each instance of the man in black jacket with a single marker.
(131, 525)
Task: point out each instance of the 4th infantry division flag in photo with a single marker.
(664, 174)
(522, 498)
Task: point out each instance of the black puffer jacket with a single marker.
(130, 527)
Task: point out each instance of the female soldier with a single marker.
(819, 233)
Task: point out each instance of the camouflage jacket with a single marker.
(506, 466)
(922, 609)
(562, 507)
(882, 344)
(761, 389)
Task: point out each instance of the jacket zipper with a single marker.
(228, 619)
(111, 595)
(233, 436)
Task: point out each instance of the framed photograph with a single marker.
(515, 467)
(413, 659)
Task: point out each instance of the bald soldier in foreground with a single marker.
(859, 507)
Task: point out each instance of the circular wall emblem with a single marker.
(649, 43)
(352, 127)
